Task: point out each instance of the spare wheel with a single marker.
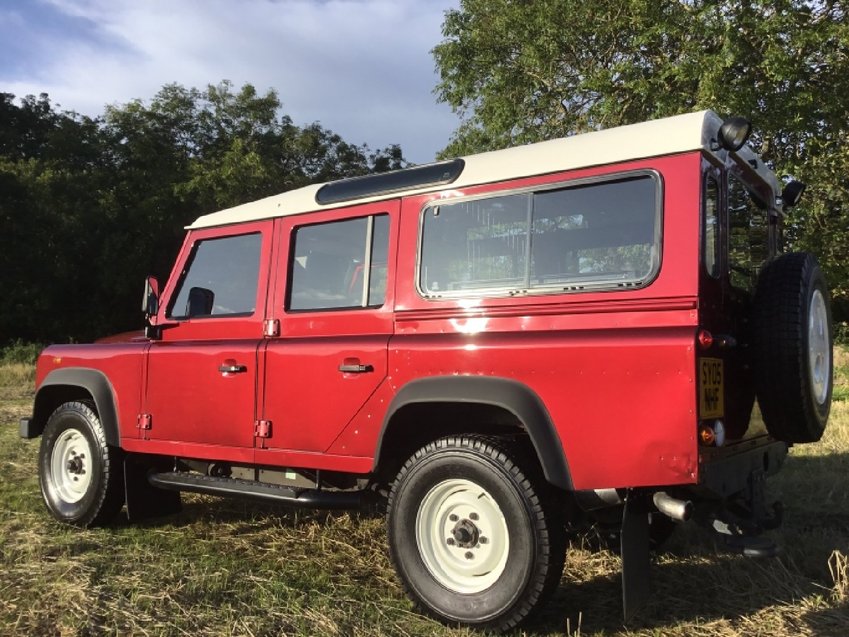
(792, 344)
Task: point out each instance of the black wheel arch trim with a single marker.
(95, 383)
(510, 395)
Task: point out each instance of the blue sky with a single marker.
(359, 67)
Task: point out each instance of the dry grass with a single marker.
(230, 568)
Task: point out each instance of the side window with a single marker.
(598, 235)
(480, 244)
(710, 247)
(220, 279)
(748, 235)
(339, 264)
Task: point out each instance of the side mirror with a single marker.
(150, 300)
(200, 302)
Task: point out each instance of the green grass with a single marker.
(224, 567)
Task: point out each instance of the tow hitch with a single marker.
(741, 520)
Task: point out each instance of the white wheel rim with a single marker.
(819, 347)
(462, 536)
(70, 465)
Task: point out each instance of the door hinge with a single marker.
(271, 327)
(143, 421)
(262, 429)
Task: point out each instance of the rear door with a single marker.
(202, 373)
(333, 301)
(738, 238)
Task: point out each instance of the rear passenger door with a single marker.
(333, 299)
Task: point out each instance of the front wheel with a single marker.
(476, 537)
(80, 475)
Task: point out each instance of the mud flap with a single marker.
(635, 555)
(145, 501)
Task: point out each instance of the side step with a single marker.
(311, 498)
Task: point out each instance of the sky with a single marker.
(361, 68)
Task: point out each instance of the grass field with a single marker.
(224, 567)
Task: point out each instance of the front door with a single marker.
(202, 373)
(334, 307)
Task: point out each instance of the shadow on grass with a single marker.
(695, 582)
(223, 510)
(728, 587)
(829, 622)
(699, 581)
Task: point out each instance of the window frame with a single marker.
(563, 184)
(186, 265)
(716, 273)
(753, 188)
(367, 263)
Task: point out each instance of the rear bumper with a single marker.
(731, 473)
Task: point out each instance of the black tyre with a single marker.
(792, 343)
(476, 537)
(81, 476)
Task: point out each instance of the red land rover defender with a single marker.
(596, 330)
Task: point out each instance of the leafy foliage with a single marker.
(521, 71)
(89, 206)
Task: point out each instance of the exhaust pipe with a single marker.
(681, 510)
(594, 499)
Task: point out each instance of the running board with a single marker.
(311, 498)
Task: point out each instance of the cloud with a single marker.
(360, 67)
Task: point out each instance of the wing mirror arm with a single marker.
(150, 307)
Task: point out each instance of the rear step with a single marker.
(311, 498)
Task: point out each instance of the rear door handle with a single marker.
(232, 368)
(353, 366)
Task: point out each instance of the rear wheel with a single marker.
(793, 348)
(475, 535)
(80, 475)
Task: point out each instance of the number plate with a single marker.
(711, 388)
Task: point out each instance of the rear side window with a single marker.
(340, 264)
(220, 279)
(596, 235)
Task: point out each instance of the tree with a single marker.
(519, 71)
(90, 206)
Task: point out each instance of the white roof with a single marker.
(681, 133)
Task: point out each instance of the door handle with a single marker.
(353, 366)
(232, 368)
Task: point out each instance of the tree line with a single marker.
(89, 206)
(519, 72)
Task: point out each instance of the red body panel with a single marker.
(121, 363)
(614, 369)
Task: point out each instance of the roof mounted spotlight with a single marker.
(792, 193)
(734, 132)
